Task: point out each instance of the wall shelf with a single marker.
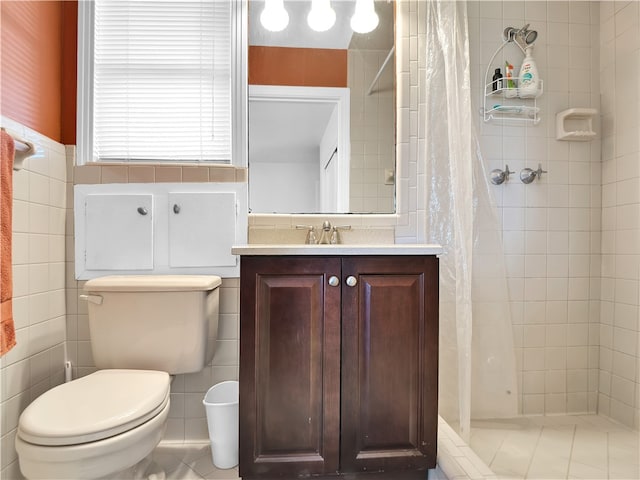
(511, 107)
(576, 124)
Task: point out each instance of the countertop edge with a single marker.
(311, 250)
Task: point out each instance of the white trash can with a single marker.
(221, 405)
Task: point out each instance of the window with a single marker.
(158, 80)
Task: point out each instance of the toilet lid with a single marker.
(98, 406)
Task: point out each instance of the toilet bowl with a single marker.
(95, 426)
(143, 329)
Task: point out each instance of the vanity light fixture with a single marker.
(321, 16)
(274, 17)
(365, 19)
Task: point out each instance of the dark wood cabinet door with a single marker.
(389, 364)
(289, 367)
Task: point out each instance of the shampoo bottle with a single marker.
(528, 80)
(496, 83)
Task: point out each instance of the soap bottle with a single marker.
(496, 84)
(528, 79)
(511, 91)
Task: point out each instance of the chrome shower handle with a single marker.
(527, 175)
(498, 177)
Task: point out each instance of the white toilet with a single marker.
(143, 329)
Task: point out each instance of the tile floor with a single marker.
(558, 447)
(190, 461)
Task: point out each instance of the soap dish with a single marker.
(576, 124)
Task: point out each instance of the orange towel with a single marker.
(7, 332)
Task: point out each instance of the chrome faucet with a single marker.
(330, 235)
(325, 236)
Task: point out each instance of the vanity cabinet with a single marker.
(338, 366)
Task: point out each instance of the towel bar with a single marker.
(24, 149)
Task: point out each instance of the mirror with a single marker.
(322, 113)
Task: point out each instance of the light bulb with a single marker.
(365, 18)
(321, 16)
(274, 17)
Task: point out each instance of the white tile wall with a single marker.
(620, 315)
(372, 131)
(551, 252)
(36, 363)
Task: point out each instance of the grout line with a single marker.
(573, 441)
(498, 449)
(526, 474)
(608, 454)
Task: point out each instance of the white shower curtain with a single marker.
(477, 361)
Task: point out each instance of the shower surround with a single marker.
(572, 237)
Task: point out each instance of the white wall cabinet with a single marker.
(119, 232)
(159, 228)
(198, 229)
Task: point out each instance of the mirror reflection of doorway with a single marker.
(299, 146)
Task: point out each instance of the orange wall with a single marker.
(37, 77)
(307, 67)
(69, 72)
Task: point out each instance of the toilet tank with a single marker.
(153, 322)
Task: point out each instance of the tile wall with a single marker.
(157, 174)
(619, 387)
(551, 228)
(372, 132)
(36, 363)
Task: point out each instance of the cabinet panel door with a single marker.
(289, 367)
(202, 229)
(117, 235)
(389, 364)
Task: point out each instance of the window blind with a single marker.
(162, 80)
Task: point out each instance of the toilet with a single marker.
(144, 328)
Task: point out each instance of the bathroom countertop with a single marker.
(390, 249)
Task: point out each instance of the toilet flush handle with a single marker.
(97, 299)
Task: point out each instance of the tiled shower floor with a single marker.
(558, 447)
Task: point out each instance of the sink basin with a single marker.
(388, 249)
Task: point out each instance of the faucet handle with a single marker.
(311, 239)
(335, 236)
(540, 171)
(528, 175)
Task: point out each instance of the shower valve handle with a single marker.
(527, 175)
(498, 177)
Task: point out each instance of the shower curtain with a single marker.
(477, 360)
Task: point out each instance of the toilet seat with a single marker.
(91, 460)
(98, 406)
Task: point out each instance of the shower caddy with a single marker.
(504, 103)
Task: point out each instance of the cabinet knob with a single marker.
(142, 210)
(351, 281)
(334, 281)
